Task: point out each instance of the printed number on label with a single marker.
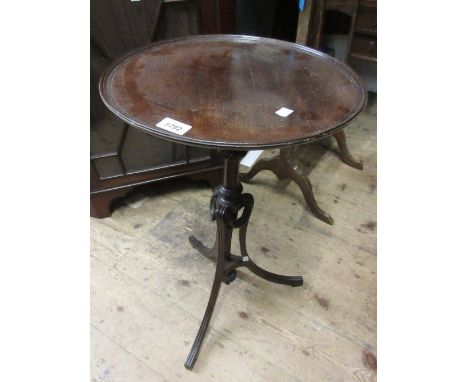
(174, 126)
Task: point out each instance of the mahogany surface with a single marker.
(228, 88)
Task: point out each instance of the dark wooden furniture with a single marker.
(361, 31)
(363, 40)
(281, 167)
(227, 88)
(121, 156)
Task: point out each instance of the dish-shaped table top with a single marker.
(228, 89)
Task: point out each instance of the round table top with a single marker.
(228, 88)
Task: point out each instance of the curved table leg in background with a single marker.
(271, 164)
(227, 201)
(345, 156)
(306, 188)
(283, 170)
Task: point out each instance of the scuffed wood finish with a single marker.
(228, 88)
(150, 287)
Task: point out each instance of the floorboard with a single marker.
(149, 287)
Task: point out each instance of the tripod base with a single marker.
(226, 203)
(283, 170)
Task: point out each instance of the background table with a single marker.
(228, 89)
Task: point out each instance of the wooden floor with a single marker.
(149, 288)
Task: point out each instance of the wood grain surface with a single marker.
(228, 89)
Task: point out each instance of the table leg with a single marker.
(226, 203)
(283, 170)
(218, 278)
(260, 272)
(345, 156)
(205, 251)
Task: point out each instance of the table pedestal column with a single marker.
(226, 203)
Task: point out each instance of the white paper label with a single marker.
(283, 112)
(174, 126)
(251, 158)
(245, 258)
